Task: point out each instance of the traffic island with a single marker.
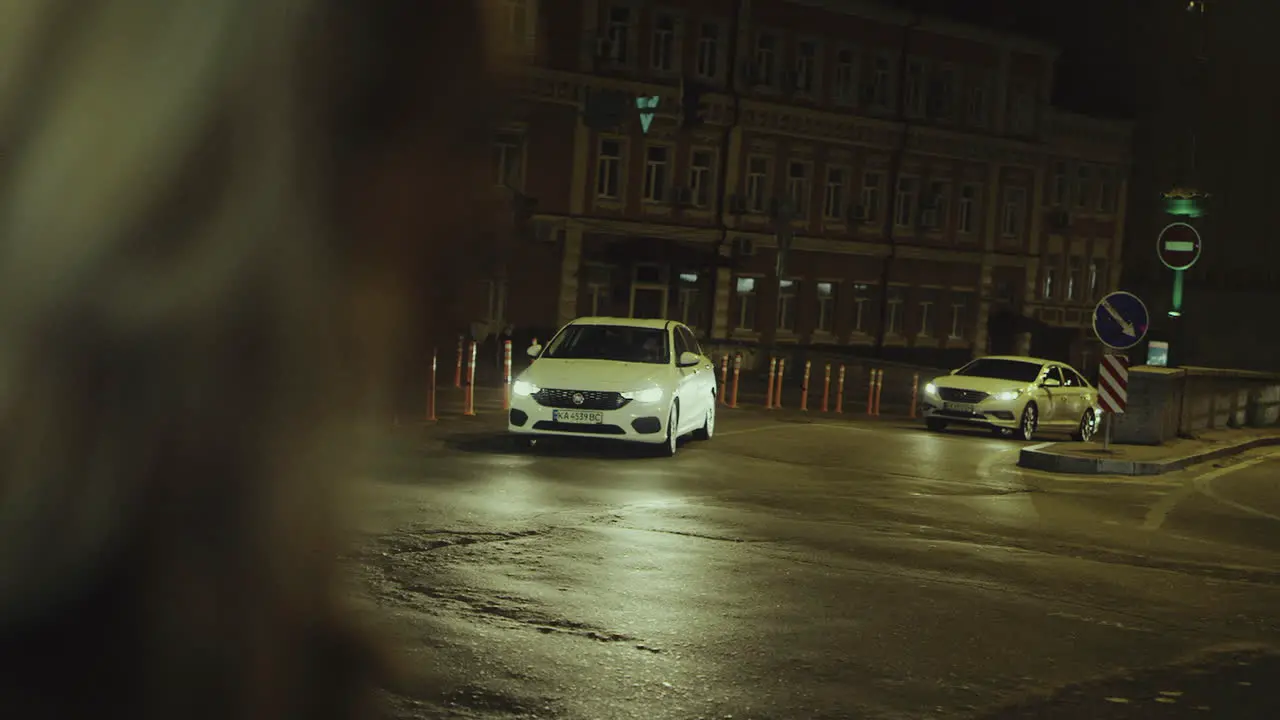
(1092, 459)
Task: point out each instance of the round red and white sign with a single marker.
(1178, 246)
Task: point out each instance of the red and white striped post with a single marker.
(457, 371)
(469, 404)
(724, 377)
(840, 391)
(431, 391)
(804, 387)
(1113, 390)
(506, 374)
(777, 392)
(915, 393)
(768, 391)
(826, 386)
(737, 372)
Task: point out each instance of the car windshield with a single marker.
(611, 342)
(1019, 370)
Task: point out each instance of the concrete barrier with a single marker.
(1165, 403)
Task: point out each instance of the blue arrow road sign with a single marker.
(1121, 320)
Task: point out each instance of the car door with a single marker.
(1073, 393)
(706, 368)
(1086, 396)
(692, 407)
(1053, 397)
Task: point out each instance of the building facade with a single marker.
(928, 203)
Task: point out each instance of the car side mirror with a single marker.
(1050, 382)
(688, 359)
(534, 351)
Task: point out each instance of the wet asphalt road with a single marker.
(796, 569)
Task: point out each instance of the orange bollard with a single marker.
(879, 387)
(777, 392)
(768, 391)
(737, 372)
(915, 393)
(840, 391)
(724, 377)
(469, 401)
(826, 386)
(804, 388)
(457, 371)
(431, 391)
(871, 391)
(506, 374)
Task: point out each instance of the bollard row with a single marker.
(826, 402)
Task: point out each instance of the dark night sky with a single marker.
(1094, 74)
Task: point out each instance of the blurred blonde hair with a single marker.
(216, 220)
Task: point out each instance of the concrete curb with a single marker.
(1038, 457)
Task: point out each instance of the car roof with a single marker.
(624, 322)
(1022, 358)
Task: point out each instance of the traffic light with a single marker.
(690, 104)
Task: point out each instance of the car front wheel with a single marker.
(708, 428)
(1088, 427)
(1027, 425)
(673, 436)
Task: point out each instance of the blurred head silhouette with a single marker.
(217, 219)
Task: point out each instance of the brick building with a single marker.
(938, 206)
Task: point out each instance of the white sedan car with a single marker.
(1014, 396)
(643, 381)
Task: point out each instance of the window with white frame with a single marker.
(958, 315)
(881, 82)
(702, 176)
(597, 299)
(1084, 187)
(905, 202)
(979, 101)
(935, 211)
(662, 50)
(787, 305)
(798, 187)
(1097, 281)
(1075, 278)
(1058, 184)
(508, 160)
(927, 321)
(655, 173)
(1049, 278)
(1106, 190)
(970, 200)
(915, 88)
(806, 69)
(689, 300)
(609, 169)
(745, 303)
(618, 31)
(826, 320)
(1015, 211)
(872, 185)
(707, 60)
(862, 304)
(833, 200)
(766, 60)
(759, 183)
(844, 82)
(893, 323)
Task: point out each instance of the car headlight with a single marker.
(523, 387)
(1006, 395)
(931, 389)
(648, 395)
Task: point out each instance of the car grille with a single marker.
(591, 399)
(964, 396)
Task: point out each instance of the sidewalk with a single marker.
(1091, 459)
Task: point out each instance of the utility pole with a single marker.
(895, 171)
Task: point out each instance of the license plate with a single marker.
(578, 417)
(959, 407)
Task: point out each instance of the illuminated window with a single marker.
(655, 173)
(662, 52)
(745, 298)
(759, 174)
(968, 207)
(609, 169)
(787, 305)
(701, 177)
(908, 195)
(798, 187)
(833, 201)
(844, 84)
(707, 63)
(826, 307)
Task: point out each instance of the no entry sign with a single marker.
(1178, 246)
